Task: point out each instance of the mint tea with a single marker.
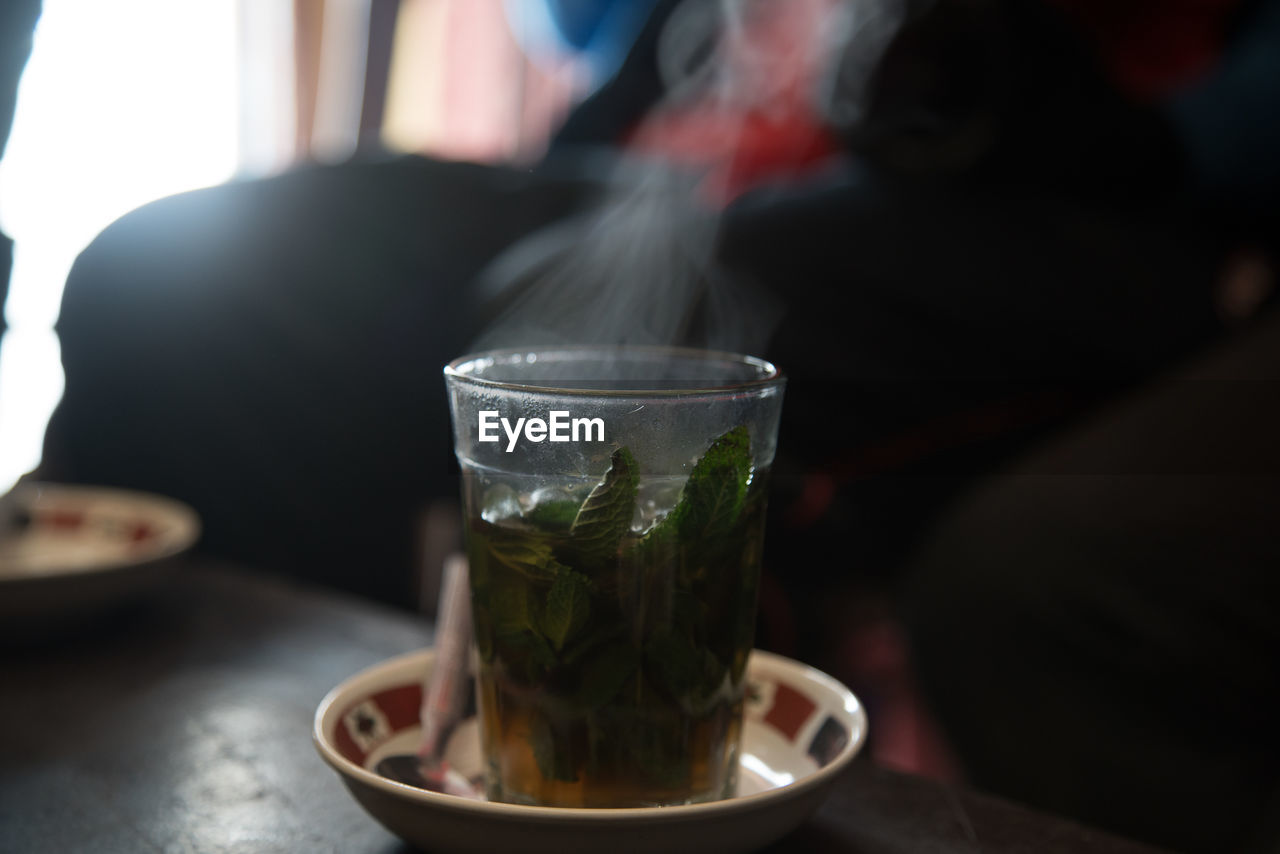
(613, 618)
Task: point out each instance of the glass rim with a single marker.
(769, 375)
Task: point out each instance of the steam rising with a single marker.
(640, 268)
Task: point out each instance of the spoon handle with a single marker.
(443, 697)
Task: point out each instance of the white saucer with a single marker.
(802, 728)
(81, 547)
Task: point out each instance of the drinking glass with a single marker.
(614, 504)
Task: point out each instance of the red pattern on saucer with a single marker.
(790, 710)
(399, 708)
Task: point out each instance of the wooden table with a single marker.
(183, 723)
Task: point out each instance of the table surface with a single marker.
(183, 723)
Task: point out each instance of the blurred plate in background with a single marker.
(75, 549)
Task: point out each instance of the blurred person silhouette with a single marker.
(1041, 206)
(973, 223)
(1098, 624)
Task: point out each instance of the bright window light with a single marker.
(121, 103)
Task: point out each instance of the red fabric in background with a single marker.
(1148, 48)
(1151, 47)
(757, 122)
(739, 150)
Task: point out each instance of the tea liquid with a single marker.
(611, 677)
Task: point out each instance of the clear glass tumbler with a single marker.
(614, 503)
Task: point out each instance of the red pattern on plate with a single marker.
(790, 710)
(62, 519)
(400, 705)
(134, 531)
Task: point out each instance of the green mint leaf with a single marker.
(713, 499)
(599, 633)
(525, 653)
(551, 751)
(512, 609)
(691, 675)
(653, 741)
(510, 613)
(606, 514)
(671, 660)
(658, 545)
(689, 614)
(605, 672)
(716, 490)
(527, 556)
(567, 607)
(555, 515)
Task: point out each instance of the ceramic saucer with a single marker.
(801, 729)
